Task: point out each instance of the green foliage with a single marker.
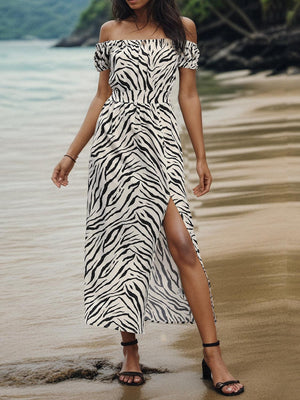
(274, 10)
(198, 10)
(193, 9)
(44, 19)
(293, 13)
(98, 10)
(278, 4)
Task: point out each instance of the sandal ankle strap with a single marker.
(211, 344)
(135, 341)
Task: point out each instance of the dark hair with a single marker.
(163, 12)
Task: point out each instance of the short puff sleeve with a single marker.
(101, 56)
(190, 56)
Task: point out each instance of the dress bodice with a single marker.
(143, 69)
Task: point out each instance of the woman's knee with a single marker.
(178, 238)
(183, 252)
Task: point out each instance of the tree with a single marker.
(218, 8)
(97, 12)
(275, 11)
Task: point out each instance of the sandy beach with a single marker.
(247, 227)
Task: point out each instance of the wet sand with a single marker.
(247, 228)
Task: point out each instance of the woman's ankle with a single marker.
(127, 337)
(211, 353)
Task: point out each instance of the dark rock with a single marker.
(75, 41)
(41, 371)
(79, 38)
(275, 49)
(293, 70)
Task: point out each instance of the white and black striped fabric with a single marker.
(135, 165)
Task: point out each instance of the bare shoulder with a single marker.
(106, 30)
(190, 28)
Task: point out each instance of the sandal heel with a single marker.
(206, 372)
(205, 368)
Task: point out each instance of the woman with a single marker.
(142, 260)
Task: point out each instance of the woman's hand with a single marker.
(205, 178)
(61, 171)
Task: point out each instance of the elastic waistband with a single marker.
(140, 96)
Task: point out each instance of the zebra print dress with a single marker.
(135, 166)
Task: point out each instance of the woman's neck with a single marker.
(140, 17)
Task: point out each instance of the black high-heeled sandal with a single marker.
(219, 385)
(131, 373)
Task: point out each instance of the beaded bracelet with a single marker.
(70, 157)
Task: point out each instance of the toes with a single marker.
(130, 378)
(237, 387)
(232, 388)
(228, 389)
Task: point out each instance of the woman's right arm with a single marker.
(86, 131)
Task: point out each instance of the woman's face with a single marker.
(137, 4)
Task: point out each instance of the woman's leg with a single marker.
(196, 289)
(131, 358)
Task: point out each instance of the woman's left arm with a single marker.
(190, 106)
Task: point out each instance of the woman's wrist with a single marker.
(201, 158)
(71, 156)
